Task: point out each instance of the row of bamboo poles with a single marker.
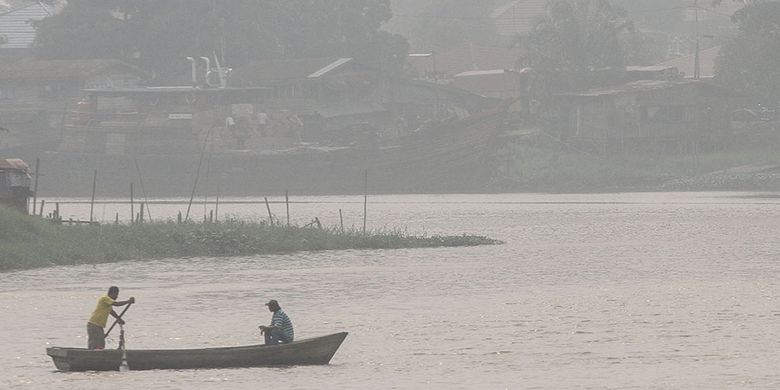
(144, 213)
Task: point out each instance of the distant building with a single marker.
(14, 184)
(36, 94)
(496, 83)
(646, 112)
(652, 72)
(17, 32)
(444, 65)
(518, 17)
(686, 65)
(336, 97)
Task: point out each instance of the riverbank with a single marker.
(30, 242)
(554, 171)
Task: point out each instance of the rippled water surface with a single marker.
(589, 291)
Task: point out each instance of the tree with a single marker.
(442, 25)
(157, 35)
(750, 61)
(574, 40)
(655, 15)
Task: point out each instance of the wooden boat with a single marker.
(317, 350)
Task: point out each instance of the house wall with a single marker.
(667, 113)
(500, 85)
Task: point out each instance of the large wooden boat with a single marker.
(318, 350)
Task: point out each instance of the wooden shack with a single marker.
(646, 114)
(14, 184)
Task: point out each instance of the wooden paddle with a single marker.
(117, 319)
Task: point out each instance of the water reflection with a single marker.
(618, 291)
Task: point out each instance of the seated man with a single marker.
(281, 328)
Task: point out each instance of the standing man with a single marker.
(262, 122)
(96, 323)
(281, 328)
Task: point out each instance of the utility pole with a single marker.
(696, 59)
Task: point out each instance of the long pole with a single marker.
(117, 320)
(132, 207)
(697, 59)
(216, 202)
(270, 217)
(197, 174)
(143, 190)
(287, 205)
(365, 200)
(35, 188)
(92, 201)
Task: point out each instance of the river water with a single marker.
(619, 291)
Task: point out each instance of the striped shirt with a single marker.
(280, 320)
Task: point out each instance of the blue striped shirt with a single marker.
(280, 320)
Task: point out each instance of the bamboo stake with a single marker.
(43, 203)
(287, 205)
(132, 206)
(143, 189)
(270, 217)
(35, 188)
(216, 206)
(92, 201)
(197, 174)
(365, 200)
(341, 219)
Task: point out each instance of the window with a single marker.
(7, 92)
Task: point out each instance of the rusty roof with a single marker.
(262, 72)
(645, 86)
(16, 26)
(13, 164)
(64, 69)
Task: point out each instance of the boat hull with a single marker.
(318, 350)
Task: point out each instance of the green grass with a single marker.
(543, 169)
(30, 242)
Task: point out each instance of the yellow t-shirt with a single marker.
(100, 316)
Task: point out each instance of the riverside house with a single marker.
(36, 96)
(339, 100)
(14, 184)
(651, 115)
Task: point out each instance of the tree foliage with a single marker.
(157, 35)
(750, 61)
(442, 25)
(575, 39)
(660, 15)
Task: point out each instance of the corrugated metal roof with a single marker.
(482, 72)
(262, 72)
(465, 58)
(13, 163)
(63, 69)
(329, 67)
(650, 68)
(636, 86)
(518, 17)
(16, 29)
(652, 85)
(686, 65)
(333, 111)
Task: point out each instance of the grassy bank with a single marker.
(29, 242)
(549, 170)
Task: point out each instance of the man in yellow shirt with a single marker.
(96, 323)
